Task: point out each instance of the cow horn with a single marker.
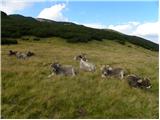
(102, 67)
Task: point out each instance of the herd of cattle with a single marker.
(106, 70)
(20, 55)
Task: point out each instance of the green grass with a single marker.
(28, 93)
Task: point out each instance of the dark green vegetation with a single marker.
(8, 41)
(15, 26)
(28, 93)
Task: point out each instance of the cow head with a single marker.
(106, 69)
(55, 67)
(81, 57)
(145, 83)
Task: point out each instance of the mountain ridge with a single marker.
(15, 26)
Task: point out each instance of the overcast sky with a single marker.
(133, 17)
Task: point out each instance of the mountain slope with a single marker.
(27, 92)
(14, 26)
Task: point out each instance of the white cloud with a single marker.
(146, 30)
(127, 28)
(54, 12)
(94, 25)
(11, 6)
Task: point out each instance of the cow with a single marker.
(12, 53)
(21, 55)
(29, 54)
(66, 70)
(84, 64)
(138, 82)
(108, 71)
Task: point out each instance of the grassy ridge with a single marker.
(16, 26)
(28, 93)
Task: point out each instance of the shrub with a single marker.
(5, 41)
(122, 42)
(25, 38)
(129, 46)
(36, 38)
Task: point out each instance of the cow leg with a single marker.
(121, 75)
(52, 74)
(103, 76)
(73, 72)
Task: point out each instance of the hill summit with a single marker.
(15, 26)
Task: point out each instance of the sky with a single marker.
(132, 17)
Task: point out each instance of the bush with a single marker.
(36, 38)
(122, 42)
(129, 46)
(25, 38)
(5, 41)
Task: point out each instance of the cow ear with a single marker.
(139, 81)
(51, 65)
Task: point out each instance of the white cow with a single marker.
(66, 70)
(109, 71)
(21, 55)
(84, 64)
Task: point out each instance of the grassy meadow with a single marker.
(27, 92)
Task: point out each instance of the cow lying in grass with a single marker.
(66, 70)
(21, 55)
(138, 82)
(84, 64)
(108, 71)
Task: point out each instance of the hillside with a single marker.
(28, 93)
(16, 26)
